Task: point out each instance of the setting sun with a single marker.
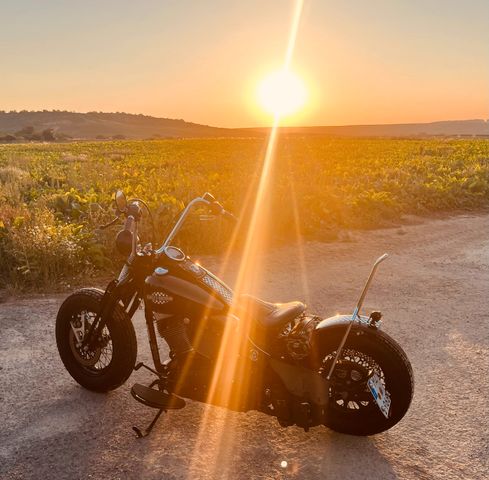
(282, 93)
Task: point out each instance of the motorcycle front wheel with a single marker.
(368, 355)
(110, 361)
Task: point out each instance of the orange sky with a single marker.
(363, 62)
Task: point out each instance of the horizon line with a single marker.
(13, 112)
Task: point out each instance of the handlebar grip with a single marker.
(218, 209)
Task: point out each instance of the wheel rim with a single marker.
(348, 389)
(99, 356)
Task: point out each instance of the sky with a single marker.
(363, 62)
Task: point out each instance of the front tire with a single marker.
(352, 408)
(107, 365)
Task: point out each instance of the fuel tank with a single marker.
(173, 294)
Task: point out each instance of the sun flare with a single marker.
(282, 93)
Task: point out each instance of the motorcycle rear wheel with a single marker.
(352, 408)
(107, 365)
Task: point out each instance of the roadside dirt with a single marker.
(434, 293)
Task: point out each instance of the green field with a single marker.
(53, 196)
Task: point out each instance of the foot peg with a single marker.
(156, 398)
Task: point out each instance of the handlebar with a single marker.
(206, 199)
(133, 213)
(218, 209)
(178, 225)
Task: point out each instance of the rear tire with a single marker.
(352, 408)
(110, 364)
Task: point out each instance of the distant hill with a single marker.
(104, 125)
(446, 128)
(61, 125)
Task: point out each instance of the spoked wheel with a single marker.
(107, 363)
(368, 357)
(349, 390)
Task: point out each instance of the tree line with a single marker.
(29, 134)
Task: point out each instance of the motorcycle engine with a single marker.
(184, 334)
(173, 331)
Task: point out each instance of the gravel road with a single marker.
(433, 292)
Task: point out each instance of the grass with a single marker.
(52, 196)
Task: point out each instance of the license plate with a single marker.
(382, 397)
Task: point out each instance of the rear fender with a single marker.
(339, 320)
(329, 332)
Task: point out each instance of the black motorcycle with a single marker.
(342, 372)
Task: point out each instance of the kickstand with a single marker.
(148, 429)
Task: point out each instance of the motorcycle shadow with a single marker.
(90, 435)
(223, 444)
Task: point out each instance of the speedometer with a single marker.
(175, 254)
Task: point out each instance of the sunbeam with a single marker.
(214, 439)
(298, 235)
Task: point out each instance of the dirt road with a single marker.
(434, 293)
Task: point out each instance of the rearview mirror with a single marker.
(120, 201)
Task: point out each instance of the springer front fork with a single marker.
(106, 305)
(115, 292)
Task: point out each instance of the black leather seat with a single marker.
(270, 316)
